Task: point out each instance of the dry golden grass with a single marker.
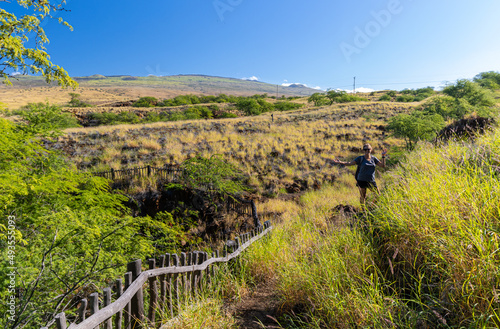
(293, 150)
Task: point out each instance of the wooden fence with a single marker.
(171, 172)
(175, 274)
(167, 172)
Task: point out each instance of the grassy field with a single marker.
(287, 155)
(424, 256)
(98, 90)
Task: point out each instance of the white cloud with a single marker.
(358, 90)
(13, 74)
(252, 78)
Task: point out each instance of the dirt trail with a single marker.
(258, 309)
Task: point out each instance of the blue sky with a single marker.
(390, 44)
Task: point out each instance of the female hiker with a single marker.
(365, 175)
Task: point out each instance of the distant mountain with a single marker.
(198, 84)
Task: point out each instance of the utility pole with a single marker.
(354, 86)
(277, 86)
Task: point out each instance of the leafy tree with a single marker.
(212, 174)
(318, 99)
(490, 80)
(415, 126)
(76, 101)
(448, 107)
(16, 33)
(335, 95)
(70, 231)
(265, 106)
(249, 106)
(45, 119)
(470, 91)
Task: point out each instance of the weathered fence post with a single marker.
(149, 170)
(214, 255)
(112, 173)
(107, 301)
(82, 310)
(189, 262)
(238, 243)
(201, 260)
(119, 315)
(183, 276)
(137, 301)
(153, 293)
(169, 287)
(194, 274)
(175, 280)
(128, 309)
(94, 304)
(61, 320)
(207, 270)
(163, 288)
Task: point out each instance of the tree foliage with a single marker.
(318, 99)
(490, 80)
(470, 91)
(70, 231)
(45, 119)
(17, 32)
(415, 126)
(212, 174)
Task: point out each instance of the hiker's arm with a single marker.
(382, 163)
(351, 163)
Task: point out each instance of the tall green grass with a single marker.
(426, 255)
(436, 229)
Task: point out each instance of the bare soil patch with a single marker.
(258, 309)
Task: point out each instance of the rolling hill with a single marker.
(98, 89)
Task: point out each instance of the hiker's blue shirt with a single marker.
(367, 168)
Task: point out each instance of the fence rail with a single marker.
(174, 272)
(173, 172)
(167, 172)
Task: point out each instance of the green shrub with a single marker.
(147, 101)
(265, 106)
(249, 106)
(71, 233)
(227, 115)
(391, 93)
(176, 116)
(490, 80)
(43, 118)
(385, 98)
(448, 107)
(153, 117)
(405, 98)
(415, 127)
(108, 118)
(470, 91)
(76, 102)
(318, 99)
(286, 106)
